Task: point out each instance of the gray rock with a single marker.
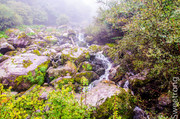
(139, 113)
(14, 67)
(100, 71)
(44, 96)
(5, 47)
(100, 93)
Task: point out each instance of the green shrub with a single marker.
(63, 105)
(3, 35)
(22, 107)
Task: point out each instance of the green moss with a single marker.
(66, 82)
(83, 57)
(125, 104)
(27, 63)
(31, 34)
(86, 74)
(22, 35)
(87, 67)
(110, 44)
(95, 48)
(36, 52)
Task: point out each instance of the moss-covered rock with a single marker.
(85, 66)
(23, 70)
(95, 48)
(69, 68)
(22, 40)
(12, 32)
(51, 39)
(5, 47)
(90, 75)
(75, 54)
(123, 103)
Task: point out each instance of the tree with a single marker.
(8, 17)
(22, 10)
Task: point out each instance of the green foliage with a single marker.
(150, 41)
(62, 20)
(87, 67)
(1, 54)
(60, 104)
(27, 63)
(66, 82)
(22, 107)
(63, 105)
(3, 35)
(37, 78)
(31, 34)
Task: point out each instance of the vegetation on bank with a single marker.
(149, 41)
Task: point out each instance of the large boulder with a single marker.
(12, 32)
(105, 96)
(75, 54)
(22, 40)
(69, 68)
(23, 70)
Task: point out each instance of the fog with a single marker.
(77, 10)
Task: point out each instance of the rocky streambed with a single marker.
(65, 58)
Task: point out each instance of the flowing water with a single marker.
(99, 56)
(108, 65)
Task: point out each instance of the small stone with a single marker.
(45, 84)
(44, 96)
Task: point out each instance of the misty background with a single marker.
(46, 12)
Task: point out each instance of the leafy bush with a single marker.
(21, 107)
(150, 41)
(3, 35)
(60, 104)
(63, 105)
(62, 20)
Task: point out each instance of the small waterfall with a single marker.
(81, 42)
(107, 64)
(80, 37)
(126, 85)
